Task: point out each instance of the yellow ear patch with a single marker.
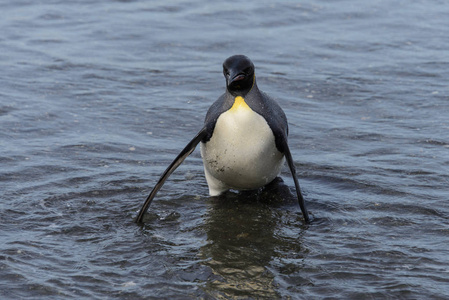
(239, 104)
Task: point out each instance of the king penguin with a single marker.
(243, 140)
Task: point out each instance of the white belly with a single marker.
(241, 154)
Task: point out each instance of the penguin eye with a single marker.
(247, 70)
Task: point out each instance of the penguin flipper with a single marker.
(172, 167)
(291, 165)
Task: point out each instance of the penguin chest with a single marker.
(242, 153)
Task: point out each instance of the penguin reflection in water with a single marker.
(243, 141)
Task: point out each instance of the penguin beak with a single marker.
(237, 77)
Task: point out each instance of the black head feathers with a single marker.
(239, 73)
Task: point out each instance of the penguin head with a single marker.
(239, 73)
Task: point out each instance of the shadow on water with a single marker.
(244, 238)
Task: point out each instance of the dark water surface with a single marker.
(97, 98)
